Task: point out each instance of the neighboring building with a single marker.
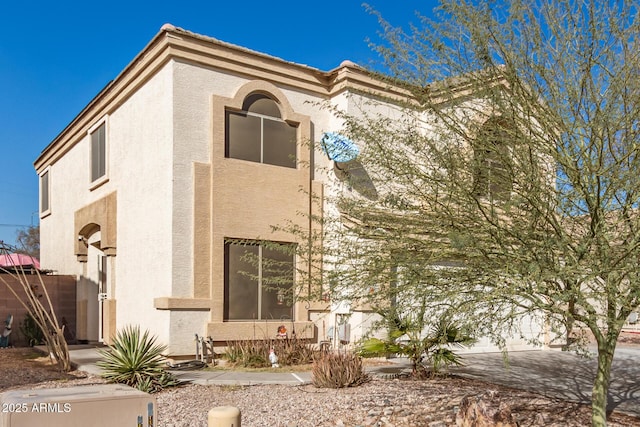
(144, 195)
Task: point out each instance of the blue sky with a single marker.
(56, 56)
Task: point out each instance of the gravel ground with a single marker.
(381, 402)
(399, 403)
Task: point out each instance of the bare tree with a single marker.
(28, 241)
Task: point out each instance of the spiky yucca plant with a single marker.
(136, 360)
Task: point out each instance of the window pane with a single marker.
(279, 143)
(260, 104)
(480, 175)
(98, 158)
(243, 137)
(240, 289)
(44, 192)
(277, 283)
(500, 185)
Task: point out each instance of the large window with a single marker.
(258, 281)
(44, 192)
(259, 134)
(492, 175)
(98, 153)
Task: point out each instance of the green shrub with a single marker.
(31, 331)
(338, 370)
(136, 360)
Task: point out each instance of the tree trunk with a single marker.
(606, 349)
(569, 324)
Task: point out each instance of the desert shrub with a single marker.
(136, 360)
(248, 353)
(293, 351)
(337, 370)
(255, 353)
(31, 331)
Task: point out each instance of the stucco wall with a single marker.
(141, 138)
(193, 87)
(139, 167)
(154, 140)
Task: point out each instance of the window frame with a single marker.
(102, 160)
(490, 167)
(45, 192)
(260, 288)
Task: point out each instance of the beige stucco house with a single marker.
(196, 145)
(143, 194)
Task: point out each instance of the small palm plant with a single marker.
(408, 337)
(136, 360)
(443, 336)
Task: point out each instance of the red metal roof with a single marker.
(19, 260)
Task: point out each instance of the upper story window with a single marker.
(44, 192)
(491, 174)
(98, 152)
(259, 134)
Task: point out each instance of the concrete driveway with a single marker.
(560, 374)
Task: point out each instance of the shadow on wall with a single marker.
(354, 174)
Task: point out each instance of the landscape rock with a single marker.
(484, 410)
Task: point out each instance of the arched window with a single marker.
(492, 165)
(258, 133)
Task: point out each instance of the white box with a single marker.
(103, 405)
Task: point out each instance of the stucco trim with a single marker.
(109, 319)
(260, 329)
(170, 303)
(134, 76)
(231, 188)
(174, 44)
(99, 215)
(201, 230)
(271, 90)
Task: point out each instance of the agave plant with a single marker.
(136, 360)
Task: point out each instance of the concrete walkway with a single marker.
(550, 372)
(84, 357)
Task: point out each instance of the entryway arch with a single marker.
(95, 250)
